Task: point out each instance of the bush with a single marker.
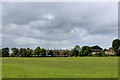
(104, 55)
(90, 54)
(98, 54)
(43, 54)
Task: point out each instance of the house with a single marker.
(110, 51)
(94, 51)
(56, 52)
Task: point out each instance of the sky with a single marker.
(59, 25)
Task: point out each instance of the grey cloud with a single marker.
(58, 23)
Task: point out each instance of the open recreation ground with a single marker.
(60, 67)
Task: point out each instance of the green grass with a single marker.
(60, 67)
(0, 67)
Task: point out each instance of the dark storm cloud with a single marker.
(52, 24)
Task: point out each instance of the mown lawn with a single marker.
(0, 67)
(60, 67)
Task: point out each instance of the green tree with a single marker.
(98, 54)
(29, 52)
(5, 52)
(37, 51)
(74, 52)
(85, 51)
(116, 46)
(50, 53)
(43, 52)
(15, 51)
(20, 51)
(105, 49)
(77, 47)
(96, 47)
(0, 52)
(24, 52)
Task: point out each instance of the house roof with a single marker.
(95, 50)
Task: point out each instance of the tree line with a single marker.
(76, 51)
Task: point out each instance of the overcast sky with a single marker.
(59, 25)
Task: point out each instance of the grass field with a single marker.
(60, 67)
(0, 68)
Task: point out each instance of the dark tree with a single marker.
(43, 52)
(116, 46)
(37, 51)
(0, 52)
(58, 53)
(85, 51)
(77, 47)
(29, 52)
(24, 52)
(74, 52)
(50, 53)
(20, 51)
(5, 52)
(105, 49)
(15, 51)
(98, 54)
(96, 47)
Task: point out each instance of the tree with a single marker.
(116, 46)
(85, 51)
(20, 51)
(43, 52)
(29, 52)
(77, 47)
(50, 53)
(98, 54)
(37, 51)
(96, 47)
(105, 49)
(5, 52)
(102, 52)
(15, 51)
(0, 52)
(24, 52)
(74, 52)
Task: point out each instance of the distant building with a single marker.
(56, 52)
(110, 51)
(94, 51)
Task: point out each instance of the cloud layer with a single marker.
(59, 25)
